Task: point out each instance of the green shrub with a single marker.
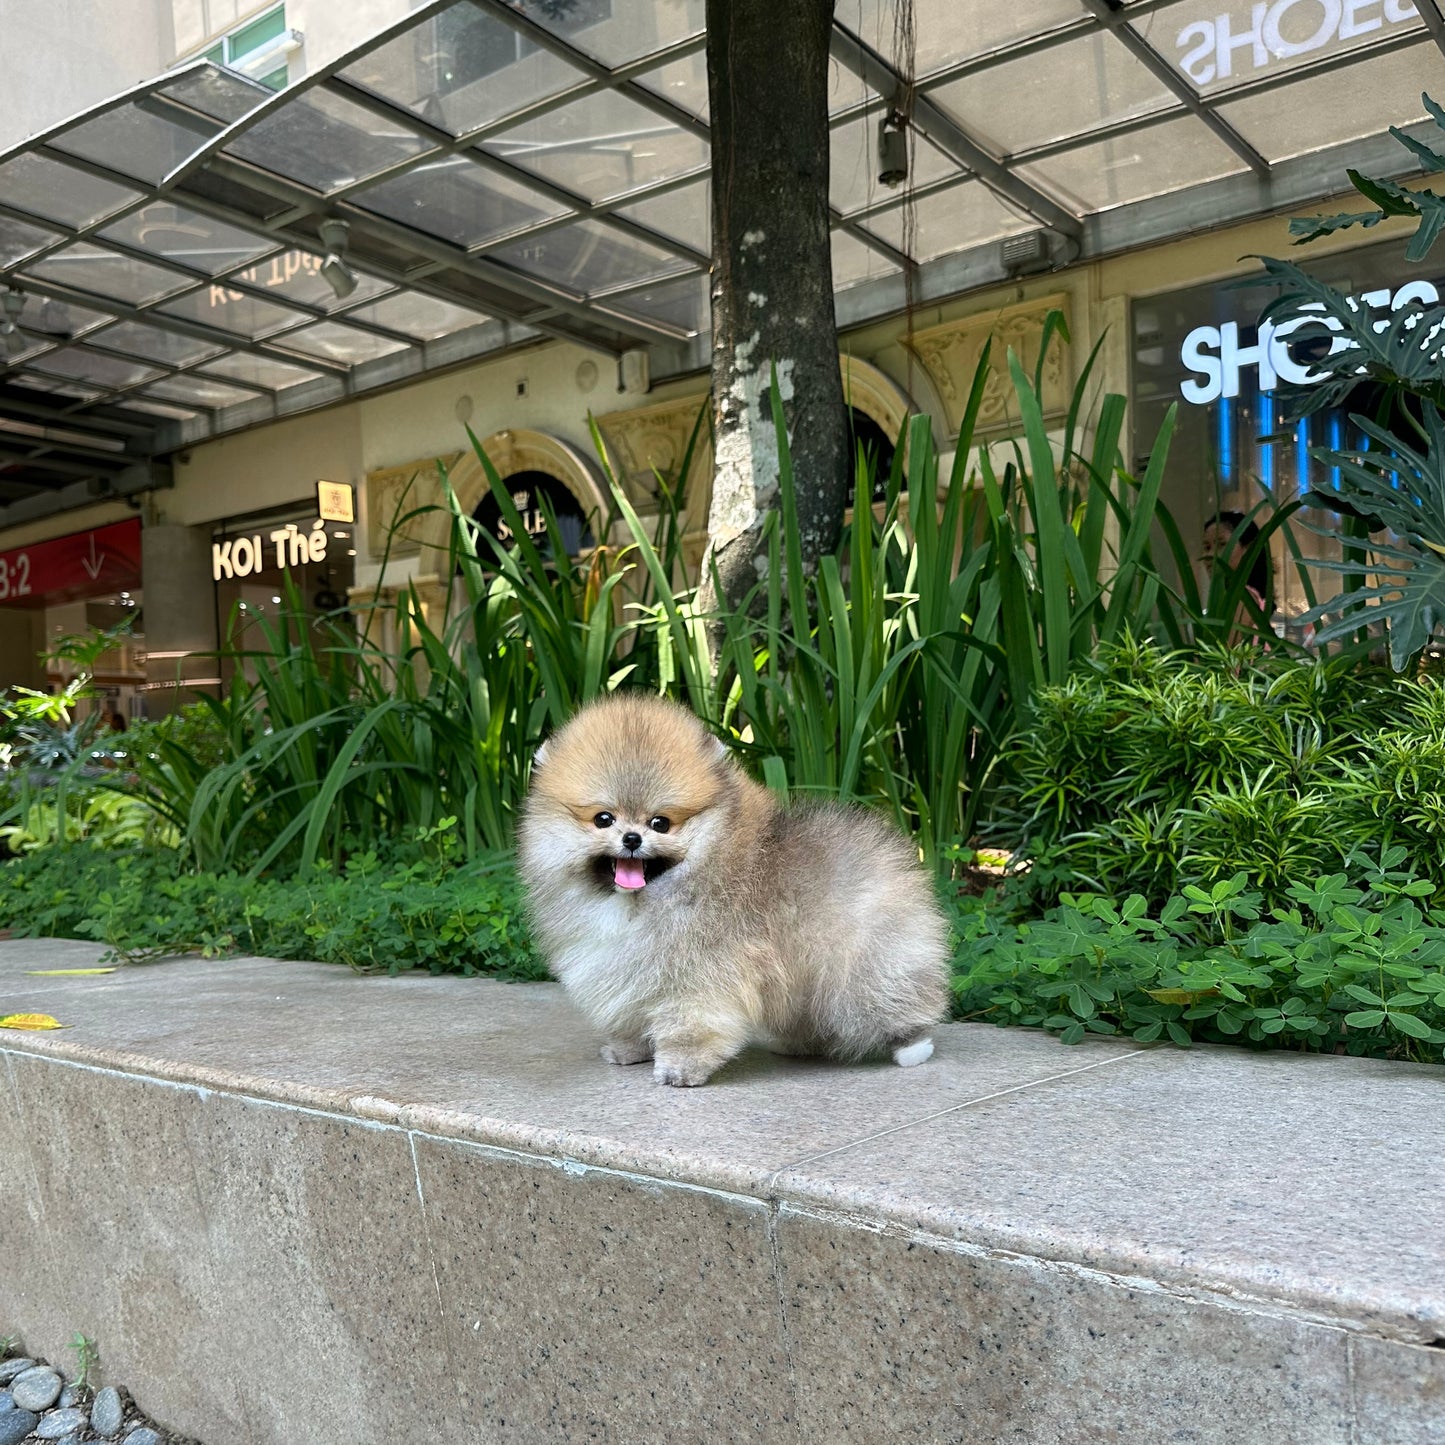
(890, 676)
(1148, 771)
(1356, 969)
(100, 816)
(375, 916)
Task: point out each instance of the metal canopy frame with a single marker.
(59, 423)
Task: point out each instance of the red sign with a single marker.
(84, 564)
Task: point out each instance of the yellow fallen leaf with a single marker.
(1179, 995)
(30, 1021)
(63, 972)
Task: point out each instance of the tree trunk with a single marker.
(772, 283)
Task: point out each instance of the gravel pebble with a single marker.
(108, 1412)
(60, 1422)
(36, 1389)
(144, 1436)
(10, 1368)
(7, 1401)
(15, 1425)
(71, 1395)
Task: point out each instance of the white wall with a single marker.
(63, 56)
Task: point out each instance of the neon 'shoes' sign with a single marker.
(1215, 359)
(1231, 45)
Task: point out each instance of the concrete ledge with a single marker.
(294, 1205)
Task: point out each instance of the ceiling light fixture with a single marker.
(893, 148)
(339, 276)
(14, 304)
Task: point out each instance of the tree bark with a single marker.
(772, 283)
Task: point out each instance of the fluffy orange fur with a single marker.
(728, 920)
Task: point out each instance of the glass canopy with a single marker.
(510, 169)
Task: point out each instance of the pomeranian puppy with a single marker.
(689, 915)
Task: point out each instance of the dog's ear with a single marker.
(540, 756)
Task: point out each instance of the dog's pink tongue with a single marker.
(629, 873)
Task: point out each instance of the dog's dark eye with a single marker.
(659, 824)
(604, 820)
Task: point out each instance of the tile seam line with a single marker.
(335, 1111)
(952, 1109)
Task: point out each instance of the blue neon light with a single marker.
(1266, 449)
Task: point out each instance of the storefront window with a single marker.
(1237, 439)
(528, 489)
(255, 559)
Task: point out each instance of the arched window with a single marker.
(529, 489)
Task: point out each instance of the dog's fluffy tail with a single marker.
(915, 1053)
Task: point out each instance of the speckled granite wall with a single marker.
(296, 1207)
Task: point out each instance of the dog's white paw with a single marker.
(682, 1073)
(626, 1053)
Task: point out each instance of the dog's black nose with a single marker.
(632, 841)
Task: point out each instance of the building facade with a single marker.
(257, 416)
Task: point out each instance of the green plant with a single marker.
(1150, 770)
(891, 675)
(103, 817)
(1393, 484)
(86, 1359)
(1334, 966)
(416, 909)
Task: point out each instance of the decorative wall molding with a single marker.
(876, 395)
(510, 452)
(395, 491)
(647, 440)
(950, 354)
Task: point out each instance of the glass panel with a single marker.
(187, 237)
(61, 388)
(683, 82)
(1306, 116)
(233, 311)
(109, 372)
(17, 240)
(1216, 43)
(602, 146)
(340, 343)
(683, 304)
(58, 192)
(107, 273)
(585, 256)
(256, 33)
(417, 315)
(616, 31)
(1055, 93)
(324, 142)
(846, 88)
(459, 201)
(260, 370)
(134, 142)
(950, 220)
(853, 171)
(948, 31)
(218, 93)
(62, 318)
(296, 276)
(154, 344)
(1148, 162)
(34, 346)
(854, 262)
(198, 391)
(462, 69)
(684, 214)
(156, 408)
